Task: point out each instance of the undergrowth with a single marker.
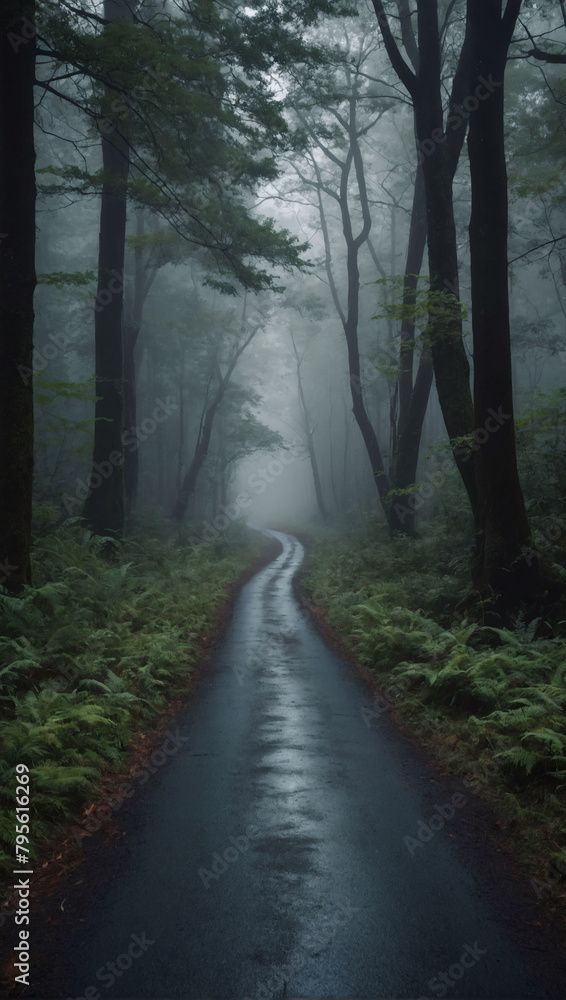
(486, 700)
(92, 652)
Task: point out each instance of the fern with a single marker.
(92, 652)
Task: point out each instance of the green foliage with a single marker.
(499, 693)
(191, 91)
(93, 651)
(441, 307)
(541, 440)
(61, 278)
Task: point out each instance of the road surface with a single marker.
(275, 853)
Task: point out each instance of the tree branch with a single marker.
(405, 74)
(540, 247)
(548, 57)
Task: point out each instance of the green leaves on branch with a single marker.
(436, 313)
(192, 96)
(59, 279)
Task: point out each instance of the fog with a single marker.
(187, 327)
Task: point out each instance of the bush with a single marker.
(93, 651)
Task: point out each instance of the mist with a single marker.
(282, 524)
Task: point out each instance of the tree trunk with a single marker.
(17, 284)
(451, 366)
(350, 317)
(131, 455)
(439, 152)
(413, 396)
(415, 254)
(144, 277)
(346, 489)
(501, 568)
(189, 483)
(309, 435)
(403, 509)
(104, 506)
(131, 331)
(181, 445)
(335, 498)
(190, 480)
(358, 406)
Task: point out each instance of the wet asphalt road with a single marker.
(268, 858)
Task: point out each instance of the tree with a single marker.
(240, 435)
(17, 284)
(175, 145)
(150, 253)
(104, 505)
(309, 431)
(439, 150)
(500, 568)
(211, 407)
(341, 102)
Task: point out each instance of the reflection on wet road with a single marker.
(269, 860)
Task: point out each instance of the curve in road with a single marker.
(269, 857)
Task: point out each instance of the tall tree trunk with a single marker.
(349, 317)
(181, 445)
(439, 151)
(345, 457)
(415, 254)
(501, 568)
(451, 365)
(403, 509)
(309, 431)
(131, 331)
(413, 394)
(144, 276)
(359, 410)
(331, 455)
(131, 454)
(17, 284)
(222, 460)
(104, 506)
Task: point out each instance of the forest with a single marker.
(280, 276)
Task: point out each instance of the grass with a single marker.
(93, 652)
(489, 702)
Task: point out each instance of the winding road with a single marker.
(271, 855)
